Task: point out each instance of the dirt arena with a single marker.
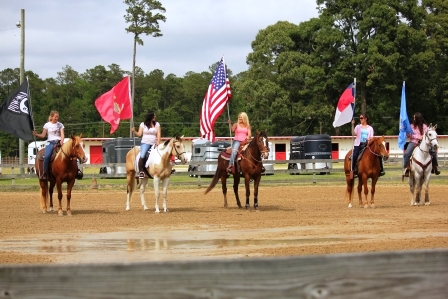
(292, 220)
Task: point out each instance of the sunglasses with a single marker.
(361, 117)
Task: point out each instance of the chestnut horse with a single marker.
(63, 168)
(159, 167)
(421, 166)
(368, 167)
(250, 167)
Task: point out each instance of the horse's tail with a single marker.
(214, 180)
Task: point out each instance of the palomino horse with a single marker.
(159, 168)
(421, 166)
(368, 167)
(250, 167)
(62, 169)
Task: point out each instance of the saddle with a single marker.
(228, 151)
(41, 154)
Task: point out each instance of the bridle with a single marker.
(71, 157)
(429, 141)
(175, 149)
(264, 150)
(376, 145)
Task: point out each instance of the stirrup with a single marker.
(141, 175)
(406, 174)
(79, 175)
(436, 170)
(230, 169)
(382, 173)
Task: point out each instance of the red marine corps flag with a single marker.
(115, 104)
(215, 100)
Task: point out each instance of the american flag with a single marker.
(215, 100)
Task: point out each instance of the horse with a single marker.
(368, 167)
(421, 166)
(62, 169)
(159, 167)
(250, 167)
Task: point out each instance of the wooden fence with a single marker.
(409, 274)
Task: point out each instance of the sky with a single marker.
(83, 34)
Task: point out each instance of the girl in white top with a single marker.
(55, 131)
(150, 132)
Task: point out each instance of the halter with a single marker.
(175, 149)
(71, 157)
(378, 155)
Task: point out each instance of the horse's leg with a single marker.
(350, 184)
(165, 192)
(43, 195)
(366, 193)
(360, 190)
(418, 190)
(412, 186)
(143, 184)
(156, 193)
(247, 185)
(236, 182)
(50, 195)
(69, 196)
(427, 203)
(130, 180)
(59, 187)
(372, 192)
(224, 188)
(256, 184)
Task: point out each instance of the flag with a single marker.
(404, 125)
(115, 104)
(15, 114)
(346, 106)
(215, 100)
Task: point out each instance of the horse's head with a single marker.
(178, 149)
(77, 148)
(431, 137)
(263, 143)
(378, 146)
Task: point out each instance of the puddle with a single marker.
(137, 246)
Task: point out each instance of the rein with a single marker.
(250, 154)
(378, 155)
(69, 156)
(177, 153)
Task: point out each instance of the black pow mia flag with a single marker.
(15, 114)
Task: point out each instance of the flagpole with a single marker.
(353, 137)
(32, 120)
(228, 109)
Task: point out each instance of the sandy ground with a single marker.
(292, 220)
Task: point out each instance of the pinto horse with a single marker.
(421, 166)
(250, 167)
(159, 167)
(368, 167)
(63, 168)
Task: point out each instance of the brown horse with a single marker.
(368, 167)
(63, 168)
(250, 167)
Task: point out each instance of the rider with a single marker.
(419, 128)
(55, 131)
(363, 133)
(151, 132)
(242, 133)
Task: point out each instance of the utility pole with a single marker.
(21, 25)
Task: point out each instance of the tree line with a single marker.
(295, 75)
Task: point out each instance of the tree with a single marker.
(142, 20)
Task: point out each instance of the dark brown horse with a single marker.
(368, 167)
(250, 166)
(62, 169)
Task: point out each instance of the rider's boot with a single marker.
(79, 174)
(141, 173)
(382, 168)
(436, 168)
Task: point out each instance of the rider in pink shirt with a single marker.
(242, 133)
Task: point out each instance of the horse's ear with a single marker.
(80, 135)
(72, 137)
(258, 132)
(435, 126)
(181, 137)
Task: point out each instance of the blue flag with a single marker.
(404, 125)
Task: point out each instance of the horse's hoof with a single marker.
(60, 213)
(51, 209)
(145, 208)
(44, 211)
(128, 208)
(427, 204)
(349, 205)
(372, 206)
(69, 213)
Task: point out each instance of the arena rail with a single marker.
(405, 274)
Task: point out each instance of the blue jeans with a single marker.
(408, 153)
(356, 150)
(144, 147)
(235, 147)
(48, 152)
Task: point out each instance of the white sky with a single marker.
(86, 33)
